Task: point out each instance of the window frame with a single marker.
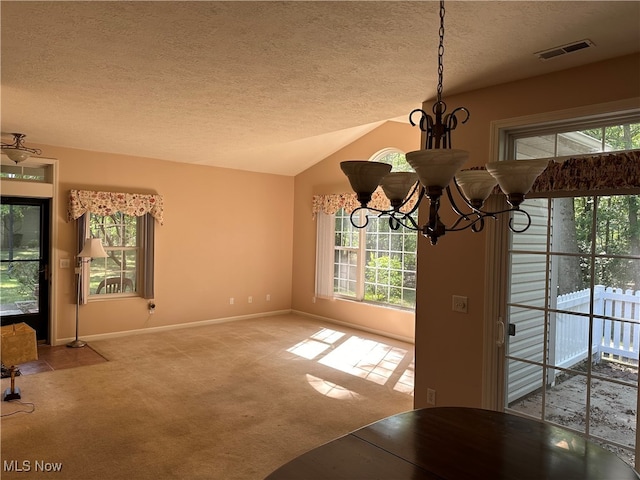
(504, 135)
(137, 249)
(497, 233)
(361, 250)
(145, 240)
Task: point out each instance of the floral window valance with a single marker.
(106, 203)
(330, 204)
(618, 170)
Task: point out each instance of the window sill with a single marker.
(375, 304)
(112, 296)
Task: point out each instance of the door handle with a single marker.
(45, 271)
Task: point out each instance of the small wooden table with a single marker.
(457, 443)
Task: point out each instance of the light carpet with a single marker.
(227, 401)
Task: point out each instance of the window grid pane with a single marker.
(118, 272)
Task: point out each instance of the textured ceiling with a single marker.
(268, 86)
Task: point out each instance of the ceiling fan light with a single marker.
(396, 186)
(437, 167)
(364, 177)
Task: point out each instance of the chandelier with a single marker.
(435, 167)
(16, 151)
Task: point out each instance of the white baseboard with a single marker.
(355, 326)
(105, 336)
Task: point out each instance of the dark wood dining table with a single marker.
(458, 443)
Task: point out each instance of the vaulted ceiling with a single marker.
(269, 86)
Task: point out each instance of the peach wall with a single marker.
(326, 177)
(449, 346)
(227, 233)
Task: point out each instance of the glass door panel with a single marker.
(573, 309)
(24, 263)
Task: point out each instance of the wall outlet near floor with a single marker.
(268, 297)
(431, 396)
(231, 301)
(152, 307)
(250, 299)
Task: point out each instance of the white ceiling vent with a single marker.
(564, 49)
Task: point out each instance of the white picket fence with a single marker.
(615, 337)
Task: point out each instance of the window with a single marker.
(571, 303)
(376, 263)
(118, 272)
(575, 139)
(128, 241)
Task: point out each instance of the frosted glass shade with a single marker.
(436, 167)
(93, 249)
(16, 155)
(517, 176)
(364, 176)
(396, 186)
(476, 185)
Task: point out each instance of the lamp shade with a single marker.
(396, 186)
(93, 249)
(364, 177)
(476, 185)
(15, 154)
(517, 176)
(436, 167)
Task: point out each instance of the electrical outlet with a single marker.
(431, 396)
(460, 304)
(268, 297)
(250, 299)
(152, 307)
(65, 263)
(231, 301)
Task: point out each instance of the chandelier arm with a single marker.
(472, 223)
(525, 213)
(404, 220)
(423, 116)
(353, 215)
(452, 115)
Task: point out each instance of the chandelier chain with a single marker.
(441, 51)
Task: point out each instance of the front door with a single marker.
(24, 263)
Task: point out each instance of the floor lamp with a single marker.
(92, 249)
